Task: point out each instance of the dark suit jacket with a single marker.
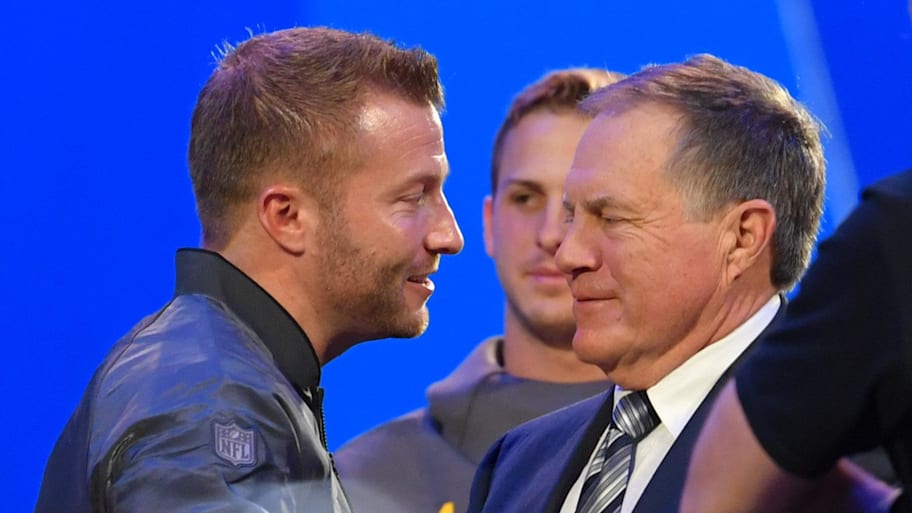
(531, 468)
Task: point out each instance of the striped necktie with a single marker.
(606, 479)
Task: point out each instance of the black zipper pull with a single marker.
(318, 411)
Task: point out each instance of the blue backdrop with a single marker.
(96, 103)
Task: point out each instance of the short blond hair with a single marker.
(289, 100)
(557, 91)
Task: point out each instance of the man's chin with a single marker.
(410, 324)
(591, 348)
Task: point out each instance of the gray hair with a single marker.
(741, 136)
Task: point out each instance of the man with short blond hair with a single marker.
(318, 164)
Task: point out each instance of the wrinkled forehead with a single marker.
(634, 145)
(634, 133)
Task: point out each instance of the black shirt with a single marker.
(836, 377)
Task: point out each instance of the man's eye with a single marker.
(566, 212)
(527, 200)
(417, 198)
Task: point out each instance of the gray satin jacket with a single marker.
(424, 461)
(211, 404)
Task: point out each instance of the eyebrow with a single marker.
(428, 173)
(530, 184)
(597, 204)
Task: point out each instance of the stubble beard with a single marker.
(554, 332)
(365, 293)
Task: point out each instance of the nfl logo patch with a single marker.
(235, 445)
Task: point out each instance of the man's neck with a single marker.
(641, 371)
(528, 357)
(277, 281)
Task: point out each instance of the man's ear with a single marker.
(487, 216)
(288, 216)
(750, 227)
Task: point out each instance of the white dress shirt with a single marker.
(675, 399)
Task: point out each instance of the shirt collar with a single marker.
(677, 396)
(207, 273)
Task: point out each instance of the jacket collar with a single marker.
(207, 273)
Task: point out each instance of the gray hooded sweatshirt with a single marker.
(424, 461)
